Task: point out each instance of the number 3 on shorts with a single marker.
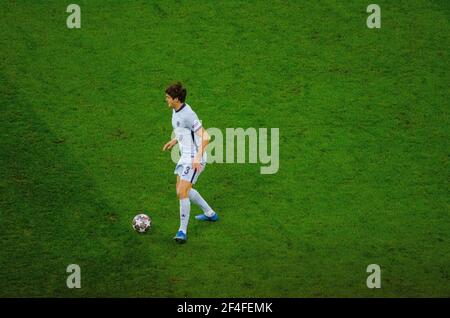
(186, 171)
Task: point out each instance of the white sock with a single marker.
(185, 210)
(197, 199)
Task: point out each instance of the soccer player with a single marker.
(192, 139)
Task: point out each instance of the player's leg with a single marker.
(183, 188)
(176, 187)
(196, 198)
(208, 212)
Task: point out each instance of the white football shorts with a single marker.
(186, 172)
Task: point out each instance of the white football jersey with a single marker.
(185, 123)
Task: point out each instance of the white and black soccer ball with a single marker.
(142, 223)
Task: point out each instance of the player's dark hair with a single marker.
(177, 91)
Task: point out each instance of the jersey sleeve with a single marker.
(192, 122)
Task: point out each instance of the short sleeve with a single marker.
(192, 122)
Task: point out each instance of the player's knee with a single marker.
(182, 192)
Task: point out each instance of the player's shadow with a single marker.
(51, 212)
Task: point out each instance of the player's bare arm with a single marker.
(170, 144)
(205, 138)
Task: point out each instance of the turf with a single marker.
(364, 148)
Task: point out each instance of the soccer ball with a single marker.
(142, 223)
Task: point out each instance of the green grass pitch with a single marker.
(364, 148)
